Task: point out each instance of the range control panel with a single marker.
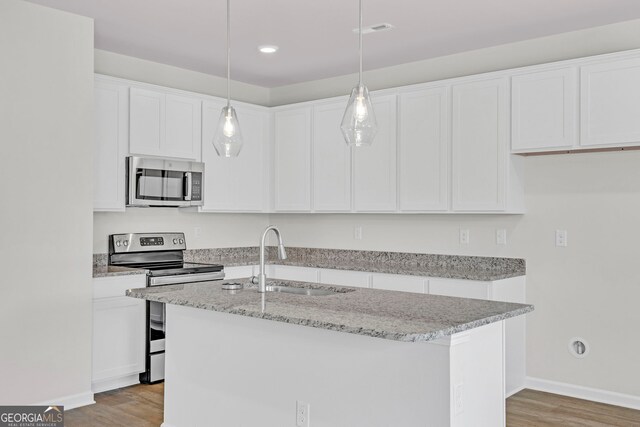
(146, 242)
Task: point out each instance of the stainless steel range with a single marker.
(162, 255)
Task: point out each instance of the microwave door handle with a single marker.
(188, 182)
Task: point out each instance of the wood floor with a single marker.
(141, 406)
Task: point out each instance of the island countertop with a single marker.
(392, 315)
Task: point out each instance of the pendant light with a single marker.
(228, 140)
(359, 125)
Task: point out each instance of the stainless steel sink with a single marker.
(300, 291)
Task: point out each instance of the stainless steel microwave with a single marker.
(164, 182)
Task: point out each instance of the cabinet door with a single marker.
(479, 138)
(331, 160)
(182, 128)
(424, 150)
(252, 183)
(146, 121)
(544, 110)
(235, 184)
(293, 159)
(374, 167)
(610, 103)
(396, 282)
(110, 145)
(118, 337)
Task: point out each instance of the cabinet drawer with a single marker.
(460, 288)
(396, 282)
(344, 278)
(283, 272)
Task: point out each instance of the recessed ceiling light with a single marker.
(268, 48)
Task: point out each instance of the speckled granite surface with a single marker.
(101, 269)
(399, 316)
(429, 265)
(444, 266)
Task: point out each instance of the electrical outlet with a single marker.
(501, 236)
(464, 236)
(561, 238)
(197, 232)
(357, 232)
(302, 414)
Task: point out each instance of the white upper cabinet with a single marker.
(544, 107)
(331, 160)
(164, 125)
(480, 126)
(183, 127)
(110, 145)
(236, 184)
(424, 145)
(374, 167)
(610, 103)
(292, 165)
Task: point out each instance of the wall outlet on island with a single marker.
(302, 414)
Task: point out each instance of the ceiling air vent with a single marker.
(374, 28)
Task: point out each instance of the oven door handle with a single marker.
(188, 183)
(186, 278)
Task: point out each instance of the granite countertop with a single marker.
(414, 264)
(392, 315)
(109, 270)
(465, 273)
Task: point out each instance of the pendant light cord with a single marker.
(228, 53)
(360, 41)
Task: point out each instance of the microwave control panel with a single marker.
(196, 186)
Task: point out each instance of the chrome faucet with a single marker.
(282, 254)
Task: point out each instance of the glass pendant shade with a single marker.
(228, 140)
(359, 124)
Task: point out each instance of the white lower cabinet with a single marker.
(285, 272)
(118, 333)
(509, 290)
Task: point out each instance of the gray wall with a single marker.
(46, 129)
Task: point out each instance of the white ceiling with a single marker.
(315, 36)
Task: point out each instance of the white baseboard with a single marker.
(510, 393)
(71, 402)
(166, 425)
(114, 383)
(587, 393)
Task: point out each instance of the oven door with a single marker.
(162, 182)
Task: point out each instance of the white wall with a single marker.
(217, 230)
(127, 67)
(575, 44)
(46, 128)
(589, 289)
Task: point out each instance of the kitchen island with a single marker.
(357, 357)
